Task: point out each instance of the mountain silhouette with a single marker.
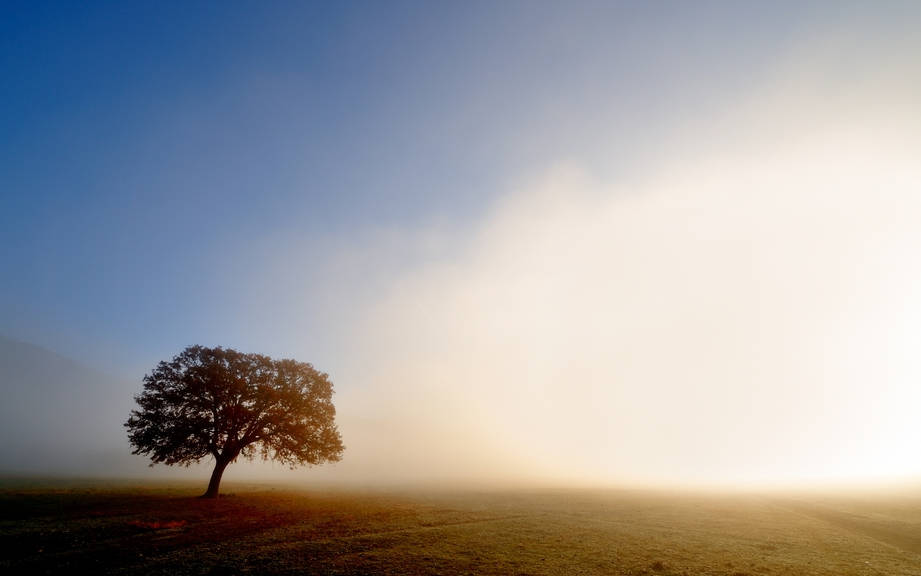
(58, 416)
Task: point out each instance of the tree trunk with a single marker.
(215, 482)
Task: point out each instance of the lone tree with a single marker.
(224, 404)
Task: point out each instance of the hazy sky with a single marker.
(611, 241)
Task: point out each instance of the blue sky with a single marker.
(399, 191)
(144, 146)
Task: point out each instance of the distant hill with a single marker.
(60, 417)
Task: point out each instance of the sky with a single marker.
(565, 242)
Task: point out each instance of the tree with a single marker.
(224, 404)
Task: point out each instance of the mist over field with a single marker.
(679, 252)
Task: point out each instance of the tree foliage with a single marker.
(220, 403)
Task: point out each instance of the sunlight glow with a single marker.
(747, 313)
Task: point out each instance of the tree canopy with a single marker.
(220, 403)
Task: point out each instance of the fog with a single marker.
(59, 416)
(738, 307)
(745, 312)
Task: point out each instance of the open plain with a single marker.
(59, 528)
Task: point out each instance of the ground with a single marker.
(158, 529)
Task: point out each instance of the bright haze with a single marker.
(594, 243)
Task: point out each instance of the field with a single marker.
(124, 529)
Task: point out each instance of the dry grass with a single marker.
(120, 530)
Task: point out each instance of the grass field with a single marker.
(123, 529)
